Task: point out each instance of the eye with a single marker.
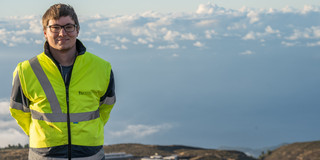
(68, 27)
(55, 27)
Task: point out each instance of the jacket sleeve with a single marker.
(19, 104)
(108, 100)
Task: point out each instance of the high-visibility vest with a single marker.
(42, 83)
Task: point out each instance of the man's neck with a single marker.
(64, 57)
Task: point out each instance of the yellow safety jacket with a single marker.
(58, 115)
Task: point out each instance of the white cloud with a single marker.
(209, 33)
(188, 36)
(116, 22)
(288, 44)
(313, 44)
(97, 40)
(171, 46)
(296, 34)
(117, 47)
(152, 14)
(175, 55)
(124, 47)
(312, 32)
(2, 31)
(268, 29)
(20, 30)
(171, 35)
(210, 8)
(7, 124)
(270, 10)
(249, 36)
(38, 41)
(253, 16)
(10, 132)
(206, 8)
(19, 39)
(4, 108)
(140, 130)
(142, 41)
(142, 31)
(164, 21)
(12, 136)
(308, 8)
(261, 35)
(204, 23)
(247, 52)
(287, 9)
(237, 26)
(198, 44)
(316, 31)
(123, 39)
(35, 27)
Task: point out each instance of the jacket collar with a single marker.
(81, 49)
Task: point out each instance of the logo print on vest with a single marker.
(84, 92)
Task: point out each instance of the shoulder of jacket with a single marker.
(96, 58)
(24, 64)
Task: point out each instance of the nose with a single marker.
(62, 31)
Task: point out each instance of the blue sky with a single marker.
(205, 73)
(108, 7)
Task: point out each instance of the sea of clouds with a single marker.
(158, 31)
(211, 29)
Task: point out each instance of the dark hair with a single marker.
(59, 10)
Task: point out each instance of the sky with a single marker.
(108, 7)
(199, 73)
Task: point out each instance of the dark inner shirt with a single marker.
(65, 72)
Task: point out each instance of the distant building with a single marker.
(159, 157)
(118, 156)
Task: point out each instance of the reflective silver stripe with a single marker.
(18, 106)
(85, 116)
(15, 102)
(35, 156)
(46, 85)
(109, 101)
(62, 117)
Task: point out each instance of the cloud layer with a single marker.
(226, 77)
(139, 131)
(10, 133)
(209, 23)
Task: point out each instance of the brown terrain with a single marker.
(14, 154)
(192, 153)
(295, 151)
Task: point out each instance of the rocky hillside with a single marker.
(140, 150)
(192, 153)
(296, 151)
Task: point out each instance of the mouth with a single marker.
(62, 40)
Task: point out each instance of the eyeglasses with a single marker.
(67, 28)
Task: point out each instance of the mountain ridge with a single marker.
(299, 150)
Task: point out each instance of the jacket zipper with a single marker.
(68, 123)
(68, 110)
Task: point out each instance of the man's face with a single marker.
(62, 41)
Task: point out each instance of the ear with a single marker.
(78, 29)
(45, 34)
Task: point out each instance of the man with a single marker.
(62, 98)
